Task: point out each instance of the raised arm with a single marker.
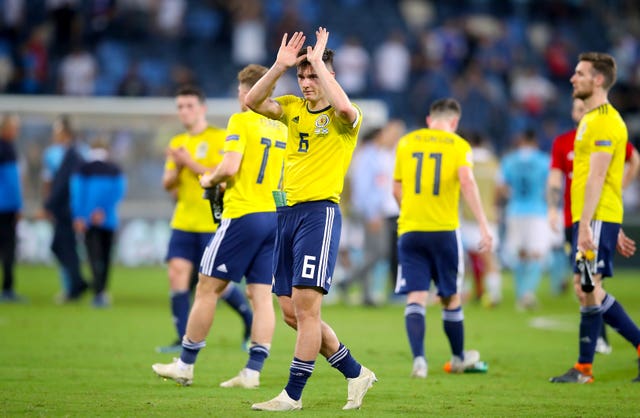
(336, 96)
(258, 98)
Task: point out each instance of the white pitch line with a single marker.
(554, 323)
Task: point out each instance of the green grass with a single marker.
(74, 360)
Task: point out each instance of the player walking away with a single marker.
(597, 210)
(243, 245)
(97, 189)
(10, 204)
(528, 236)
(323, 129)
(189, 155)
(485, 265)
(562, 168)
(433, 165)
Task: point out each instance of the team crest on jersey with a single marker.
(583, 127)
(321, 125)
(201, 150)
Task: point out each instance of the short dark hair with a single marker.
(603, 64)
(250, 74)
(327, 57)
(190, 90)
(447, 105)
(65, 125)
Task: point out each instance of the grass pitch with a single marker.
(75, 360)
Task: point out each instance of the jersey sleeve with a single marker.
(466, 155)
(236, 139)
(556, 155)
(628, 151)
(286, 103)
(600, 134)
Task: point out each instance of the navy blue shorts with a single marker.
(306, 246)
(242, 247)
(187, 245)
(605, 236)
(426, 256)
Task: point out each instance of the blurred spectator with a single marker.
(77, 73)
(63, 15)
(133, 85)
(531, 90)
(351, 63)
(392, 64)
(35, 62)
(169, 15)
(249, 34)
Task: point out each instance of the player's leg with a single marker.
(236, 299)
(414, 277)
(591, 309)
(253, 257)
(201, 318)
(448, 272)
(7, 255)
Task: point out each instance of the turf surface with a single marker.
(74, 360)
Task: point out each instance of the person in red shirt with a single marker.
(562, 168)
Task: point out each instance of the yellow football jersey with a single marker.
(427, 163)
(262, 143)
(600, 130)
(319, 150)
(192, 212)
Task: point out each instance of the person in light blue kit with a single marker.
(97, 189)
(528, 236)
(10, 204)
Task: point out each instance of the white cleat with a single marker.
(248, 379)
(458, 365)
(420, 368)
(358, 387)
(182, 375)
(282, 402)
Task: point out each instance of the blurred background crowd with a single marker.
(507, 61)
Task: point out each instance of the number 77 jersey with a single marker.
(262, 143)
(427, 164)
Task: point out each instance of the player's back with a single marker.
(525, 171)
(427, 164)
(262, 143)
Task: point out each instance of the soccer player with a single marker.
(323, 127)
(243, 244)
(433, 166)
(97, 189)
(485, 265)
(596, 208)
(560, 178)
(58, 206)
(528, 236)
(10, 204)
(190, 155)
